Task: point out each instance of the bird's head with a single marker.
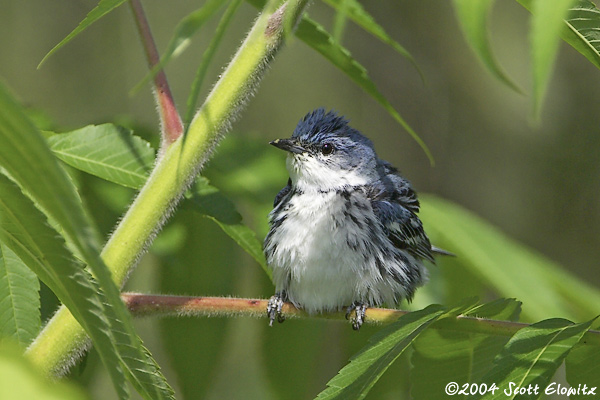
(325, 153)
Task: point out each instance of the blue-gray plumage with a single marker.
(344, 231)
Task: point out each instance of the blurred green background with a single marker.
(536, 180)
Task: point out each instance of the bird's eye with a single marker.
(327, 149)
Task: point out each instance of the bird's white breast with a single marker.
(321, 257)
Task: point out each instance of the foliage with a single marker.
(47, 234)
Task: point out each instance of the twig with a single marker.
(171, 124)
(191, 306)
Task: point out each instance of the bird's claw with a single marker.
(359, 310)
(274, 307)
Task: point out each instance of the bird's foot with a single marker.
(274, 307)
(359, 310)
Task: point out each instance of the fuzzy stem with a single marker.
(170, 121)
(173, 172)
(164, 305)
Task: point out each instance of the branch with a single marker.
(170, 121)
(191, 306)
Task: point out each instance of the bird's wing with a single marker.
(403, 228)
(282, 193)
(395, 204)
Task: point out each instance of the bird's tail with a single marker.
(438, 251)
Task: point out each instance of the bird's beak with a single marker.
(290, 145)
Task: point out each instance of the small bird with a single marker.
(344, 232)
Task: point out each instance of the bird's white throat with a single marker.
(310, 174)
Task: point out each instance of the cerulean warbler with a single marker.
(344, 231)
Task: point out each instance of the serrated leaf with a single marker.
(184, 30)
(582, 31)
(356, 379)
(20, 380)
(27, 159)
(532, 356)
(546, 24)
(472, 16)
(355, 12)
(442, 356)
(108, 151)
(19, 299)
(209, 201)
(505, 265)
(583, 370)
(103, 8)
(23, 228)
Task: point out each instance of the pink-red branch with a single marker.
(171, 124)
(165, 305)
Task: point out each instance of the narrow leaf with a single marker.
(532, 356)
(354, 11)
(442, 356)
(472, 16)
(19, 299)
(26, 158)
(320, 40)
(582, 31)
(356, 379)
(209, 201)
(508, 267)
(583, 371)
(314, 35)
(546, 25)
(340, 20)
(181, 39)
(107, 151)
(23, 229)
(103, 8)
(207, 57)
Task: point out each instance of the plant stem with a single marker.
(170, 121)
(164, 305)
(174, 171)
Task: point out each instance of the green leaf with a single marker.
(583, 369)
(502, 309)
(582, 29)
(209, 201)
(320, 40)
(532, 356)
(207, 57)
(354, 11)
(181, 39)
(20, 380)
(472, 16)
(23, 228)
(113, 153)
(314, 35)
(103, 8)
(356, 379)
(107, 151)
(27, 159)
(546, 25)
(508, 267)
(442, 356)
(19, 299)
